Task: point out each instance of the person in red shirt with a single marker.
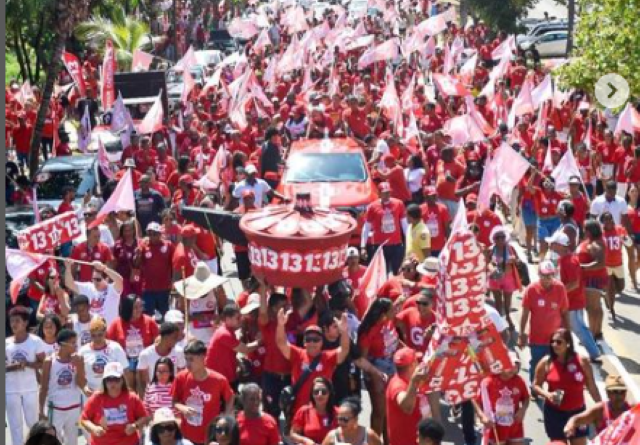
(185, 196)
(400, 287)
(430, 122)
(394, 175)
(386, 218)
(352, 273)
(256, 427)
(508, 397)
(68, 196)
(314, 421)
(355, 120)
(545, 303)
(186, 257)
(448, 172)
(517, 75)
(417, 324)
(198, 394)
(633, 228)
(114, 415)
(404, 405)
(486, 220)
(302, 358)
(437, 218)
(545, 201)
(145, 157)
(90, 250)
(221, 354)
(130, 151)
(21, 136)
(579, 201)
(614, 236)
(165, 164)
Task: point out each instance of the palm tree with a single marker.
(65, 16)
(126, 33)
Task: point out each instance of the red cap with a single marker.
(404, 357)
(430, 191)
(384, 187)
(313, 329)
(187, 179)
(388, 158)
(472, 197)
(189, 230)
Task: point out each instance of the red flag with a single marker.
(385, 51)
(141, 61)
(372, 280)
(449, 86)
(152, 122)
(625, 430)
(121, 199)
(19, 265)
(501, 175)
(72, 64)
(108, 95)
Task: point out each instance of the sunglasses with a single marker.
(112, 379)
(222, 430)
(558, 342)
(619, 392)
(169, 428)
(313, 339)
(320, 392)
(423, 303)
(97, 279)
(343, 419)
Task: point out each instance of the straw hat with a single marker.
(200, 283)
(428, 267)
(163, 415)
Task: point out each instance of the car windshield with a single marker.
(51, 187)
(326, 167)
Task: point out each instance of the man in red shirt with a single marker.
(394, 175)
(301, 358)
(68, 196)
(198, 394)
(352, 273)
(416, 324)
(486, 220)
(448, 172)
(224, 345)
(436, 216)
(546, 303)
(386, 218)
(405, 406)
(21, 135)
(145, 157)
(355, 120)
(185, 258)
(153, 258)
(89, 251)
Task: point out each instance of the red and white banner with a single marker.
(72, 64)
(625, 430)
(141, 61)
(153, 120)
(108, 95)
(19, 265)
(49, 234)
(449, 86)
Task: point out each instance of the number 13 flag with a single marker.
(19, 265)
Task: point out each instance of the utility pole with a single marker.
(571, 12)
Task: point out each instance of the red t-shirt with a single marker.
(118, 412)
(613, 245)
(156, 265)
(184, 257)
(546, 203)
(100, 252)
(630, 171)
(263, 430)
(274, 361)
(313, 425)
(205, 397)
(394, 288)
(402, 427)
(22, 138)
(133, 336)
(221, 356)
(357, 121)
(634, 219)
(385, 220)
(436, 217)
(65, 207)
(300, 360)
(505, 397)
(571, 271)
(416, 326)
(381, 341)
(581, 208)
(39, 276)
(447, 190)
(485, 222)
(361, 302)
(398, 184)
(546, 307)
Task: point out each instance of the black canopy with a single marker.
(224, 224)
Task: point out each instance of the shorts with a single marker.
(636, 239)
(555, 420)
(133, 364)
(505, 284)
(529, 217)
(512, 432)
(616, 272)
(596, 283)
(385, 365)
(547, 227)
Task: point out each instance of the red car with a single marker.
(334, 172)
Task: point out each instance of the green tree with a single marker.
(126, 33)
(500, 15)
(607, 40)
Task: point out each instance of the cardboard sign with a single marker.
(51, 233)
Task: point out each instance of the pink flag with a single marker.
(20, 264)
(628, 121)
(108, 94)
(262, 42)
(84, 131)
(141, 61)
(152, 122)
(372, 280)
(188, 84)
(429, 47)
(566, 168)
(501, 175)
(468, 70)
(219, 172)
(625, 430)
(121, 199)
(407, 95)
(523, 103)
(384, 51)
(242, 28)
(187, 61)
(477, 117)
(297, 20)
(412, 131)
(543, 92)
(25, 93)
(506, 48)
(432, 26)
(449, 86)
(463, 129)
(103, 160)
(390, 103)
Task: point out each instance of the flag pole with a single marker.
(186, 304)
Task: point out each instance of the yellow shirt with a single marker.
(418, 238)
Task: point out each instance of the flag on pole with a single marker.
(72, 64)
(152, 122)
(501, 176)
(628, 121)
(141, 61)
(84, 132)
(121, 199)
(385, 51)
(187, 86)
(543, 92)
(372, 280)
(187, 61)
(625, 430)
(505, 49)
(566, 168)
(449, 86)
(103, 160)
(19, 265)
(108, 91)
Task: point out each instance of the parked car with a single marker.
(551, 44)
(221, 40)
(541, 29)
(175, 84)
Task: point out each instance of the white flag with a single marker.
(84, 133)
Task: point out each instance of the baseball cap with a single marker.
(154, 227)
(313, 329)
(614, 383)
(189, 230)
(174, 316)
(404, 357)
(113, 369)
(559, 238)
(547, 268)
(253, 303)
(574, 180)
(352, 252)
(187, 179)
(250, 169)
(430, 190)
(384, 187)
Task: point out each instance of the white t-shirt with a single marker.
(497, 319)
(260, 190)
(382, 148)
(414, 178)
(82, 329)
(96, 359)
(617, 207)
(149, 356)
(103, 303)
(21, 382)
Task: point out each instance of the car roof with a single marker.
(338, 145)
(66, 163)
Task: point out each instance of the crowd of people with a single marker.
(110, 344)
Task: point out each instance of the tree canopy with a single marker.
(500, 14)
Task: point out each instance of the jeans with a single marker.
(272, 386)
(155, 299)
(537, 353)
(452, 206)
(579, 327)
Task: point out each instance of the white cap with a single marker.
(154, 227)
(547, 268)
(558, 238)
(130, 163)
(163, 415)
(352, 251)
(250, 169)
(113, 369)
(253, 303)
(174, 316)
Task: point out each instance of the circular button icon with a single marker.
(612, 90)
